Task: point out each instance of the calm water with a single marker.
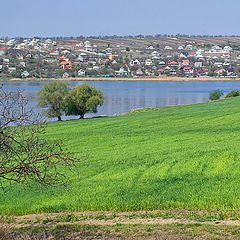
(122, 96)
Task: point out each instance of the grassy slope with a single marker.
(176, 157)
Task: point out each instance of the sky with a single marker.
(49, 18)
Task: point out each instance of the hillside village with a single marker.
(120, 57)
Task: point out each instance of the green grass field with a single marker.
(184, 157)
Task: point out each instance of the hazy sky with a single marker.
(118, 17)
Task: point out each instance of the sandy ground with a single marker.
(131, 79)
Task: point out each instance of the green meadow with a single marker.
(184, 157)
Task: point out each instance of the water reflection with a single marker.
(122, 96)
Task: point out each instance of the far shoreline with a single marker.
(177, 79)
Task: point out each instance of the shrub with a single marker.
(215, 95)
(233, 93)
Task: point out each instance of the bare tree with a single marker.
(25, 154)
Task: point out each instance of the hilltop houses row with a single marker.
(52, 58)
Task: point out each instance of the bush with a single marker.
(233, 93)
(215, 95)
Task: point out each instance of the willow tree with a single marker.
(53, 97)
(84, 99)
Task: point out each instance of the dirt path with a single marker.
(109, 218)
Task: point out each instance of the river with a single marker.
(122, 96)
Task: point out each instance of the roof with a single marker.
(173, 63)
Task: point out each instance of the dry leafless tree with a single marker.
(25, 154)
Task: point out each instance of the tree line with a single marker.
(59, 99)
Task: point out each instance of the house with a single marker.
(12, 69)
(66, 53)
(188, 70)
(95, 68)
(121, 72)
(79, 44)
(162, 63)
(172, 71)
(23, 64)
(139, 72)
(173, 63)
(6, 61)
(63, 58)
(134, 62)
(161, 71)
(198, 64)
(168, 48)
(66, 64)
(81, 73)
(230, 71)
(203, 72)
(87, 46)
(150, 47)
(218, 64)
(25, 74)
(154, 54)
(20, 57)
(185, 62)
(227, 49)
(189, 47)
(149, 72)
(65, 75)
(148, 62)
(220, 71)
(82, 57)
(54, 52)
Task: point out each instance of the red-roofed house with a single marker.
(203, 72)
(66, 64)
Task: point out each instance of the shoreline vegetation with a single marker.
(126, 79)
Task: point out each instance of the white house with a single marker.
(25, 74)
(168, 48)
(12, 69)
(148, 62)
(189, 47)
(121, 72)
(65, 75)
(150, 47)
(82, 57)
(6, 61)
(134, 62)
(154, 54)
(81, 73)
(198, 64)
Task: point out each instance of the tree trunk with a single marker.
(81, 116)
(59, 118)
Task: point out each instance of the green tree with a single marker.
(215, 95)
(233, 93)
(84, 99)
(53, 96)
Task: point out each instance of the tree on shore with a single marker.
(53, 96)
(215, 95)
(84, 99)
(25, 154)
